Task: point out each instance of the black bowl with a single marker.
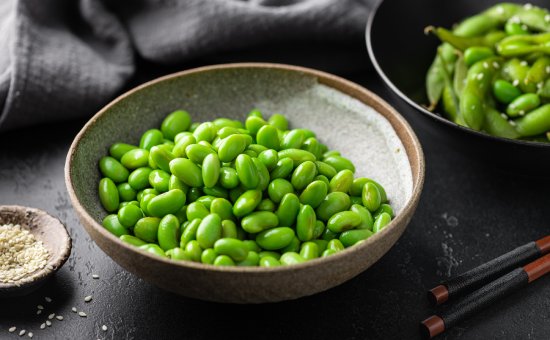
(401, 54)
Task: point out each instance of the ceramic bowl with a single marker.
(54, 237)
(345, 116)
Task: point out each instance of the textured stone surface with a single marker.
(467, 215)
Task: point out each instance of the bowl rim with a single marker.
(423, 110)
(418, 172)
(54, 263)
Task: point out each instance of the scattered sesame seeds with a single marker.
(48, 323)
(479, 76)
(59, 317)
(524, 27)
(30, 335)
(495, 64)
(22, 332)
(547, 18)
(540, 85)
(104, 328)
(528, 6)
(500, 10)
(523, 63)
(48, 299)
(486, 64)
(12, 329)
(503, 115)
(40, 307)
(88, 298)
(521, 113)
(73, 309)
(516, 82)
(95, 276)
(42, 326)
(38, 312)
(51, 316)
(82, 314)
(515, 20)
(512, 123)
(547, 69)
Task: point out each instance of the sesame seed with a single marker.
(48, 323)
(485, 65)
(82, 314)
(38, 312)
(523, 63)
(42, 326)
(495, 64)
(51, 316)
(48, 299)
(547, 18)
(22, 332)
(521, 113)
(479, 76)
(527, 6)
(104, 328)
(12, 329)
(95, 276)
(500, 10)
(30, 335)
(40, 307)
(524, 27)
(547, 69)
(512, 123)
(515, 20)
(516, 82)
(73, 309)
(503, 115)
(59, 317)
(539, 85)
(88, 298)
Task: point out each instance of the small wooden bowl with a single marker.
(45, 228)
(381, 144)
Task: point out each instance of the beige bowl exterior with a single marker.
(227, 284)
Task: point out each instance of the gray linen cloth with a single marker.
(64, 59)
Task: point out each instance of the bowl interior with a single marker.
(340, 121)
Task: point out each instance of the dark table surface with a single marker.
(469, 213)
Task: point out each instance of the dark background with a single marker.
(469, 213)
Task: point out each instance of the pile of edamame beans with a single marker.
(492, 72)
(228, 193)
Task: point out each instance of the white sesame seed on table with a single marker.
(88, 298)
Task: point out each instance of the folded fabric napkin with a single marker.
(64, 59)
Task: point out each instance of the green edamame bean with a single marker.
(297, 156)
(229, 229)
(231, 247)
(258, 221)
(246, 170)
(143, 204)
(329, 235)
(333, 203)
(196, 210)
(356, 200)
(123, 204)
(182, 143)
(160, 180)
(223, 208)
(209, 231)
(278, 188)
(269, 261)
(293, 246)
(515, 28)
(135, 158)
(257, 148)
(176, 122)
(126, 192)
(305, 223)
(341, 181)
(132, 240)
(321, 245)
(268, 137)
(504, 91)
(266, 205)
(208, 256)
(194, 126)
(314, 193)
(161, 157)
(275, 238)
(523, 104)
(215, 191)
(211, 170)
(477, 53)
(380, 222)
(335, 244)
(262, 173)
(269, 158)
(139, 178)
(178, 254)
(252, 259)
(371, 197)
(293, 139)
(235, 193)
(339, 163)
(198, 152)
(535, 123)
(309, 251)
(168, 232)
(279, 121)
(344, 220)
(247, 202)
(189, 233)
(229, 130)
(151, 138)
(282, 169)
(288, 210)
(319, 229)
(111, 168)
(367, 221)
(187, 171)
(312, 145)
(253, 124)
(351, 237)
(182, 215)
(108, 194)
(224, 122)
(326, 170)
(129, 215)
(147, 229)
(153, 249)
(303, 175)
(384, 208)
(111, 223)
(269, 253)
(175, 183)
(228, 178)
(205, 132)
(323, 179)
(167, 203)
(118, 150)
(231, 146)
(291, 258)
(193, 249)
(223, 260)
(251, 245)
(194, 194)
(328, 252)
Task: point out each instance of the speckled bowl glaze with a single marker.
(54, 237)
(344, 115)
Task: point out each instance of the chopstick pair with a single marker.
(487, 283)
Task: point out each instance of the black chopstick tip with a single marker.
(432, 326)
(438, 295)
